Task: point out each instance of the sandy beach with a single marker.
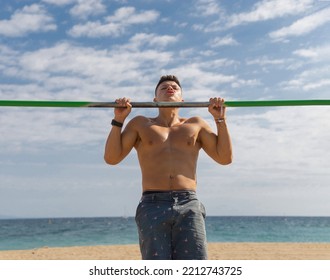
(217, 251)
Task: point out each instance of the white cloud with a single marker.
(195, 74)
(96, 29)
(315, 54)
(309, 80)
(207, 7)
(114, 25)
(8, 58)
(153, 40)
(307, 53)
(59, 2)
(66, 71)
(267, 64)
(317, 85)
(302, 26)
(59, 127)
(262, 61)
(86, 8)
(223, 41)
(317, 74)
(66, 58)
(260, 11)
(218, 63)
(270, 9)
(244, 83)
(29, 19)
(281, 137)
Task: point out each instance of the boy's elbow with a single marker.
(226, 161)
(110, 160)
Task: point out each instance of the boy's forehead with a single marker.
(169, 83)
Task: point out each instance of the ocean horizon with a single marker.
(30, 233)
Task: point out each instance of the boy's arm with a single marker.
(119, 143)
(217, 146)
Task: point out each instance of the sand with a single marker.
(217, 251)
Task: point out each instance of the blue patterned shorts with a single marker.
(171, 226)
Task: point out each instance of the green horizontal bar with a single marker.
(43, 103)
(265, 103)
(88, 104)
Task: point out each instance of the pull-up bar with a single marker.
(88, 104)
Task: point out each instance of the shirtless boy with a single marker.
(170, 218)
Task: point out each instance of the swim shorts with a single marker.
(171, 226)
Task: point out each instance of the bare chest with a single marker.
(182, 136)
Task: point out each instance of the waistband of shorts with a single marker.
(168, 195)
(179, 192)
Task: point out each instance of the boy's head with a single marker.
(167, 78)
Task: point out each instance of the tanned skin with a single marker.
(168, 145)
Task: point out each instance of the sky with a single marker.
(51, 159)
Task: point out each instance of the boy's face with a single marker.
(168, 91)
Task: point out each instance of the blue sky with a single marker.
(51, 160)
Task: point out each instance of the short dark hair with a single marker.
(167, 78)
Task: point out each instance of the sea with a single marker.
(21, 234)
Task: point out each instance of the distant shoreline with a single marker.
(130, 217)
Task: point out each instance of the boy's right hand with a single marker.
(121, 113)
